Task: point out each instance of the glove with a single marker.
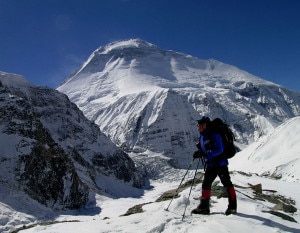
(198, 145)
(198, 154)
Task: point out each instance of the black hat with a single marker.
(204, 119)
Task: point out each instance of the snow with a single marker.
(156, 219)
(278, 153)
(146, 98)
(126, 44)
(119, 92)
(104, 215)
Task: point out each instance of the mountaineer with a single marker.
(211, 148)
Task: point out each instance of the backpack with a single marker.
(227, 135)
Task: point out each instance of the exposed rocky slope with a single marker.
(51, 151)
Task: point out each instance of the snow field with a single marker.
(155, 218)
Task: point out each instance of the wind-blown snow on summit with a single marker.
(146, 98)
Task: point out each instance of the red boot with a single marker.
(203, 207)
(232, 205)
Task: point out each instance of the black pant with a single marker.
(212, 172)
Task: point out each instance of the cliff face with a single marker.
(51, 151)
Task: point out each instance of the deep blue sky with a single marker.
(46, 40)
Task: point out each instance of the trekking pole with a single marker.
(190, 190)
(203, 163)
(191, 163)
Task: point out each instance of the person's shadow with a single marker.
(271, 223)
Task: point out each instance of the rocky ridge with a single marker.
(50, 151)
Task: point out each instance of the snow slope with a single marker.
(276, 155)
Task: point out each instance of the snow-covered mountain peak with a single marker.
(111, 53)
(123, 86)
(139, 62)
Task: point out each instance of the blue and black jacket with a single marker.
(212, 144)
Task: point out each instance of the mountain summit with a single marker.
(148, 64)
(148, 99)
